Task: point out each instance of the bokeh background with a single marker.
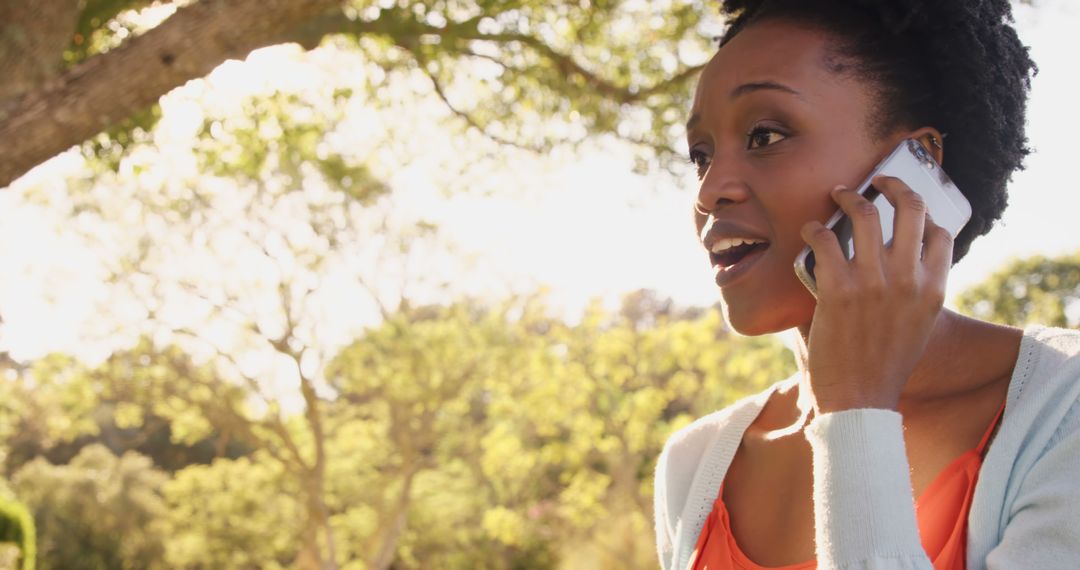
(411, 285)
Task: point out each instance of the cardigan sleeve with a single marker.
(864, 509)
(1043, 525)
(664, 541)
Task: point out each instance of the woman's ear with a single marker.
(932, 140)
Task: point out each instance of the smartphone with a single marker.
(911, 163)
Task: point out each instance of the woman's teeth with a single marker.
(725, 244)
(729, 256)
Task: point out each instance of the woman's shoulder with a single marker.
(1030, 467)
(1043, 405)
(713, 433)
(693, 438)
(698, 447)
(1048, 365)
(1064, 342)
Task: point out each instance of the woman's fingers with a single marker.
(830, 265)
(908, 221)
(937, 252)
(916, 241)
(880, 314)
(866, 227)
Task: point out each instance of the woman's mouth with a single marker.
(733, 257)
(733, 247)
(728, 256)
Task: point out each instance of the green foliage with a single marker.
(622, 384)
(1025, 291)
(9, 414)
(44, 408)
(132, 401)
(281, 135)
(60, 406)
(459, 436)
(414, 389)
(523, 440)
(539, 73)
(281, 209)
(108, 148)
(524, 73)
(98, 30)
(239, 513)
(168, 384)
(17, 528)
(98, 512)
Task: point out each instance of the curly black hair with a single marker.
(955, 65)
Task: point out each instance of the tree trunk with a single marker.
(324, 522)
(33, 36)
(66, 110)
(309, 557)
(313, 555)
(385, 557)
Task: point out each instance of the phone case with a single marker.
(911, 163)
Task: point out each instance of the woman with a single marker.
(911, 437)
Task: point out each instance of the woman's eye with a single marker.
(761, 136)
(700, 160)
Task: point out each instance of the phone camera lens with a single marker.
(923, 156)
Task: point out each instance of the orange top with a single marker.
(941, 511)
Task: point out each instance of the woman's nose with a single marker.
(720, 187)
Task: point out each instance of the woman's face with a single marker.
(772, 131)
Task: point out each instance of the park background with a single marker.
(416, 288)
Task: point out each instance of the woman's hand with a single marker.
(875, 312)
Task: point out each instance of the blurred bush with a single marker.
(18, 547)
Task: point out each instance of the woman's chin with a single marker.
(742, 323)
(748, 320)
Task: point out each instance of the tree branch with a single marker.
(469, 119)
(109, 87)
(273, 420)
(406, 30)
(33, 35)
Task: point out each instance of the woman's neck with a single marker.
(962, 354)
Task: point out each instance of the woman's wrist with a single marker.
(853, 396)
(848, 402)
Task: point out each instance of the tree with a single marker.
(363, 435)
(41, 411)
(468, 435)
(505, 438)
(624, 383)
(241, 513)
(75, 69)
(53, 409)
(415, 391)
(1044, 290)
(98, 512)
(278, 216)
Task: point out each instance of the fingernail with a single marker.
(839, 188)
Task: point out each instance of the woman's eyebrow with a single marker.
(760, 86)
(749, 88)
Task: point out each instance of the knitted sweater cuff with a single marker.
(863, 505)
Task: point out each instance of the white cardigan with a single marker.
(1026, 508)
